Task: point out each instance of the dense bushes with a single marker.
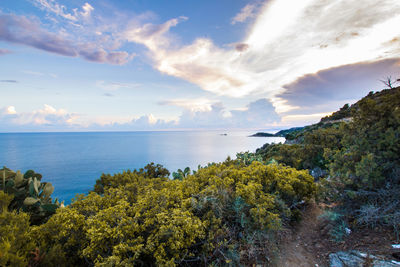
(308, 153)
(361, 154)
(15, 244)
(216, 216)
(366, 169)
(228, 213)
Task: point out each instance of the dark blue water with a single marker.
(73, 161)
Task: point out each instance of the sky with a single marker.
(116, 65)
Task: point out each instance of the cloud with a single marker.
(327, 90)
(53, 7)
(249, 11)
(108, 94)
(19, 29)
(260, 113)
(198, 104)
(142, 123)
(35, 73)
(47, 118)
(8, 81)
(87, 10)
(113, 86)
(203, 113)
(100, 55)
(9, 110)
(241, 47)
(151, 35)
(301, 119)
(28, 31)
(4, 52)
(283, 45)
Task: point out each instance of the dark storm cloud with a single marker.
(326, 90)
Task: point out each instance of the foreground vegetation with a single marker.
(229, 213)
(355, 152)
(224, 213)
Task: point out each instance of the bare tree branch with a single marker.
(389, 82)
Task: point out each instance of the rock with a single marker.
(318, 173)
(292, 142)
(357, 259)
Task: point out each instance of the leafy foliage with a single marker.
(359, 146)
(228, 213)
(366, 169)
(179, 174)
(30, 194)
(15, 244)
(210, 217)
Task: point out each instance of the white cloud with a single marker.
(288, 40)
(301, 120)
(203, 113)
(87, 10)
(196, 114)
(151, 35)
(46, 118)
(10, 110)
(54, 7)
(249, 11)
(197, 104)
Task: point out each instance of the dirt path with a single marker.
(310, 244)
(302, 249)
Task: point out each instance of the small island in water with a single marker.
(282, 133)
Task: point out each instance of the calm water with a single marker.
(73, 161)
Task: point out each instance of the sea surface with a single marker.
(73, 161)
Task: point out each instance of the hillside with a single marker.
(335, 187)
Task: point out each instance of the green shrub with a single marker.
(215, 216)
(15, 243)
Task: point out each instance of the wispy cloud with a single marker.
(247, 12)
(54, 7)
(87, 10)
(28, 31)
(152, 36)
(4, 52)
(113, 86)
(35, 73)
(8, 81)
(282, 45)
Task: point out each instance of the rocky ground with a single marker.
(310, 244)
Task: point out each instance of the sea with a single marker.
(73, 161)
